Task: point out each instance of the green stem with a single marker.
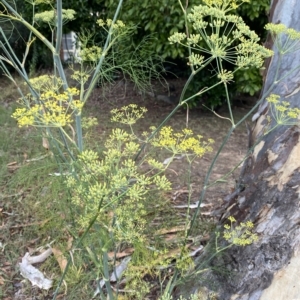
(191, 77)
(202, 194)
(205, 185)
(56, 52)
(228, 103)
(79, 132)
(13, 58)
(30, 41)
(106, 275)
(56, 145)
(63, 135)
(75, 247)
(187, 30)
(99, 66)
(59, 24)
(211, 258)
(95, 78)
(19, 18)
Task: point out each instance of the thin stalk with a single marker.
(97, 70)
(22, 72)
(9, 76)
(56, 53)
(56, 144)
(13, 58)
(75, 247)
(246, 156)
(228, 103)
(189, 198)
(59, 24)
(19, 18)
(202, 194)
(106, 275)
(186, 29)
(172, 283)
(191, 78)
(218, 251)
(79, 132)
(30, 40)
(208, 176)
(101, 294)
(95, 77)
(63, 136)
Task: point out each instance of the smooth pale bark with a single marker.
(269, 268)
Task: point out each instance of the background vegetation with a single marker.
(155, 20)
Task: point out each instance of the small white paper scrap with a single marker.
(195, 205)
(115, 275)
(169, 159)
(31, 273)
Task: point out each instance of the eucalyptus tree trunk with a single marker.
(269, 269)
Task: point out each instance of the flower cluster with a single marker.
(88, 122)
(91, 54)
(196, 60)
(79, 76)
(228, 37)
(49, 16)
(225, 4)
(281, 111)
(114, 184)
(50, 108)
(118, 25)
(225, 76)
(128, 114)
(286, 39)
(240, 235)
(183, 142)
(45, 83)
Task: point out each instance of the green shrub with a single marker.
(160, 19)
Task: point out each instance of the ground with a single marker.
(199, 120)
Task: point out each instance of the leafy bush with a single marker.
(160, 19)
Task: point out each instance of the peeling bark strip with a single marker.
(270, 268)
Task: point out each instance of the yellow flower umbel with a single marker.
(50, 108)
(281, 111)
(225, 5)
(50, 16)
(128, 114)
(87, 123)
(184, 142)
(222, 36)
(118, 25)
(91, 54)
(115, 184)
(286, 39)
(240, 235)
